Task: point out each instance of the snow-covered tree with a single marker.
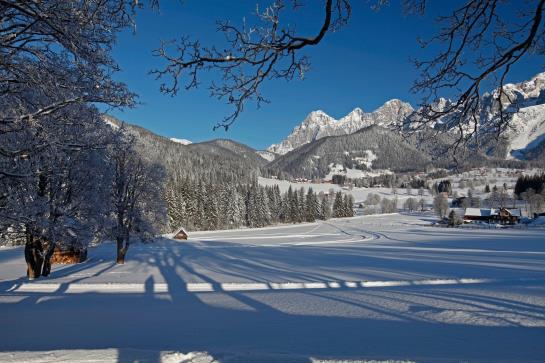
(136, 195)
(388, 206)
(348, 204)
(338, 206)
(410, 204)
(325, 207)
(59, 196)
(440, 205)
(454, 219)
(312, 206)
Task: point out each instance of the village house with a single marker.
(509, 216)
(478, 214)
(492, 215)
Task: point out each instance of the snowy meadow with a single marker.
(382, 287)
(142, 222)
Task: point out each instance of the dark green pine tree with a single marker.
(310, 208)
(294, 207)
(338, 205)
(325, 210)
(348, 203)
(301, 205)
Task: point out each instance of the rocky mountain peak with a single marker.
(318, 117)
(318, 124)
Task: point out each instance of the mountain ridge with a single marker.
(395, 113)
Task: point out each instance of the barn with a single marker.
(180, 234)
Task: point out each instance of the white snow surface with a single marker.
(529, 131)
(359, 194)
(181, 141)
(381, 288)
(109, 121)
(338, 169)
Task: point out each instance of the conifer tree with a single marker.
(348, 203)
(310, 206)
(301, 205)
(338, 206)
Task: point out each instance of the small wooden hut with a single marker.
(180, 234)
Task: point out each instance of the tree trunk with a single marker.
(46, 270)
(33, 257)
(121, 250)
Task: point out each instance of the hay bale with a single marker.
(69, 255)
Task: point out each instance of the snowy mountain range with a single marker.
(365, 142)
(527, 132)
(318, 124)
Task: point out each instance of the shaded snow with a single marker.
(375, 288)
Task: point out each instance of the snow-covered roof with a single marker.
(181, 229)
(489, 212)
(479, 212)
(515, 212)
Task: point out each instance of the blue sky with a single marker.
(363, 65)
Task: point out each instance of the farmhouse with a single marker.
(509, 216)
(491, 215)
(478, 214)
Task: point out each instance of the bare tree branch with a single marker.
(253, 55)
(480, 48)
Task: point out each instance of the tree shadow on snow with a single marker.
(272, 325)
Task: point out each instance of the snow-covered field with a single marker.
(359, 194)
(381, 287)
